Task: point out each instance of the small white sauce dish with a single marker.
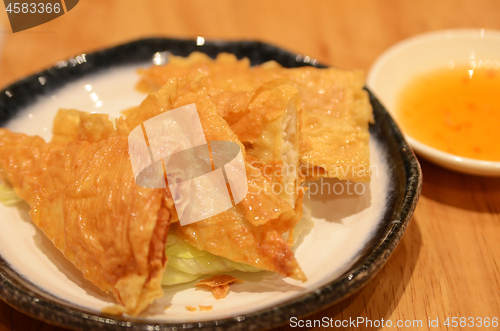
(401, 63)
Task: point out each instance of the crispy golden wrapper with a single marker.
(71, 124)
(335, 109)
(267, 120)
(227, 73)
(252, 231)
(335, 117)
(83, 196)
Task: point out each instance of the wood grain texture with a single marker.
(448, 262)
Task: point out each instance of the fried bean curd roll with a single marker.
(335, 115)
(84, 196)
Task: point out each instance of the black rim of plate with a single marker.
(24, 296)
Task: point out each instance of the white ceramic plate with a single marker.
(397, 66)
(356, 226)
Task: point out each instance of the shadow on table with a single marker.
(381, 295)
(459, 190)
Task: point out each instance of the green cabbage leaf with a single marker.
(8, 196)
(187, 263)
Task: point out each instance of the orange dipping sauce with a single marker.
(454, 110)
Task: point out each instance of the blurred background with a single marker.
(345, 33)
(447, 263)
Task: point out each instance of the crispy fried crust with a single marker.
(335, 108)
(250, 232)
(335, 118)
(84, 198)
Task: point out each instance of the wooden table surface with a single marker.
(448, 262)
